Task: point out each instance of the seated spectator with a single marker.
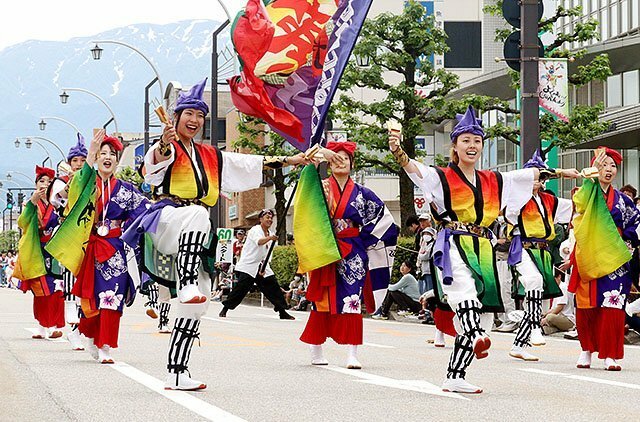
(300, 294)
(561, 317)
(405, 293)
(292, 293)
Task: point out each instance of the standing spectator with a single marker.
(630, 191)
(249, 269)
(413, 225)
(427, 238)
(404, 293)
(4, 261)
(562, 316)
(238, 243)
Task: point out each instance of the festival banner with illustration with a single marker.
(293, 54)
(553, 87)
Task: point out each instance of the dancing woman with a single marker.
(530, 256)
(37, 222)
(187, 177)
(104, 283)
(367, 236)
(466, 201)
(606, 230)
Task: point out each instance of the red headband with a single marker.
(44, 171)
(113, 142)
(348, 147)
(615, 155)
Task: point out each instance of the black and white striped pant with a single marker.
(532, 318)
(468, 313)
(68, 280)
(163, 320)
(188, 260)
(185, 331)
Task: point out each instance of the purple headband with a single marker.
(193, 98)
(467, 123)
(78, 150)
(536, 161)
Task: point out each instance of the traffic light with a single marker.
(511, 10)
(20, 199)
(9, 200)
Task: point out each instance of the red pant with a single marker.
(444, 321)
(342, 328)
(49, 310)
(102, 328)
(601, 330)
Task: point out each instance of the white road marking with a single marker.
(184, 399)
(583, 378)
(381, 346)
(225, 321)
(62, 339)
(419, 386)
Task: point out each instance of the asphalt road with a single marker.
(257, 370)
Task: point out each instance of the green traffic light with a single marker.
(9, 206)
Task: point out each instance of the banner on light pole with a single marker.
(553, 87)
(224, 249)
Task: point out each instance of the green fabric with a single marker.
(544, 262)
(30, 259)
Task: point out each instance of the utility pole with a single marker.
(529, 54)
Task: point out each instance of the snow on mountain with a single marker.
(33, 73)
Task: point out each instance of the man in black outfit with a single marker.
(249, 269)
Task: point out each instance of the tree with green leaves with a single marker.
(584, 123)
(9, 240)
(399, 48)
(129, 174)
(252, 129)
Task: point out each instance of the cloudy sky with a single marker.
(61, 20)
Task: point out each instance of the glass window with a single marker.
(624, 16)
(604, 24)
(635, 13)
(594, 5)
(631, 88)
(585, 7)
(614, 20)
(597, 92)
(614, 91)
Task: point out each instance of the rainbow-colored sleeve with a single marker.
(600, 249)
(30, 262)
(316, 244)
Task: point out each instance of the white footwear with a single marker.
(90, 347)
(317, 357)
(481, 345)
(537, 339)
(183, 382)
(151, 313)
(191, 294)
(438, 340)
(507, 327)
(104, 356)
(521, 353)
(352, 358)
(584, 360)
(74, 339)
(41, 333)
(459, 385)
(611, 365)
(164, 329)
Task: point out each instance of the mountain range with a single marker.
(33, 73)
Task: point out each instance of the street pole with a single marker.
(529, 115)
(146, 113)
(216, 214)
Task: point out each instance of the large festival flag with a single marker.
(68, 244)
(316, 243)
(293, 55)
(30, 263)
(599, 251)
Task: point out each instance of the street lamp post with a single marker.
(29, 140)
(10, 175)
(96, 52)
(28, 143)
(43, 122)
(64, 97)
